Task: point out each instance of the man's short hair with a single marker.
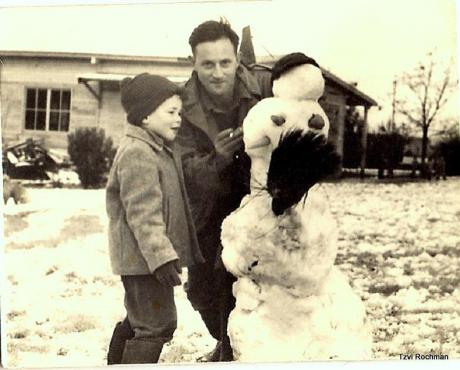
(213, 31)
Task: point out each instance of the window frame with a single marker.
(48, 109)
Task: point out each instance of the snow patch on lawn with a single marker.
(399, 245)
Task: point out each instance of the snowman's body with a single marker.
(292, 304)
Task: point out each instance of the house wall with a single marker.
(112, 117)
(334, 104)
(135, 67)
(414, 147)
(18, 73)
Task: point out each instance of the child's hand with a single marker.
(168, 274)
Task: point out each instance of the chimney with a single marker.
(247, 54)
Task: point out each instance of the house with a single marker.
(413, 151)
(413, 147)
(46, 95)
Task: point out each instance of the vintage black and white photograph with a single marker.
(260, 181)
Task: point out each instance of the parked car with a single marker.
(29, 160)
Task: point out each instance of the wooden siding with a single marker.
(112, 117)
(19, 73)
(129, 67)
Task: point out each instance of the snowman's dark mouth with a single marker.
(301, 160)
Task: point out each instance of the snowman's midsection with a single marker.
(298, 312)
(280, 314)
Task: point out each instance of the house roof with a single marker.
(94, 57)
(354, 95)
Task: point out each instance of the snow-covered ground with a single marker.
(398, 244)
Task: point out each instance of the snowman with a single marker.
(292, 303)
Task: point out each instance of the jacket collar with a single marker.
(193, 110)
(156, 142)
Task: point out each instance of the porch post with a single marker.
(364, 142)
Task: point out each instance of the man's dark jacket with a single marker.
(216, 190)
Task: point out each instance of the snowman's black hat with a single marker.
(288, 62)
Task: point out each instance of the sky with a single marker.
(370, 42)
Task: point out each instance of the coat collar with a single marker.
(156, 142)
(193, 110)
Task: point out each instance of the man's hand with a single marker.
(168, 274)
(227, 142)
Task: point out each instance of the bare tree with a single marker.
(429, 87)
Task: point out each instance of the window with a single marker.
(47, 109)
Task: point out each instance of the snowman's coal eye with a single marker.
(278, 120)
(316, 122)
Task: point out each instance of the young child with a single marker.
(151, 234)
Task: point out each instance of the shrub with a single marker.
(385, 150)
(450, 150)
(352, 148)
(92, 154)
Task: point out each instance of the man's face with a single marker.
(215, 63)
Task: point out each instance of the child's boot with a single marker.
(121, 334)
(141, 351)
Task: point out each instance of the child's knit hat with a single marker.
(144, 93)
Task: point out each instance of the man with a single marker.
(216, 100)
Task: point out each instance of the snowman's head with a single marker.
(297, 84)
(289, 132)
(273, 118)
(296, 76)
